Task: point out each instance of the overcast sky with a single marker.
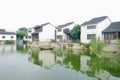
(28, 13)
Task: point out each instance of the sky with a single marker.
(15, 14)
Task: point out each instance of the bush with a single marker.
(96, 46)
(9, 42)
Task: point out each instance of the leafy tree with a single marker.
(22, 32)
(75, 32)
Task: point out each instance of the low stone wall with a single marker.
(41, 44)
(55, 45)
(76, 46)
(111, 48)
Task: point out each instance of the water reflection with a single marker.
(22, 48)
(7, 49)
(102, 68)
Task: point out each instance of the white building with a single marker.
(42, 33)
(63, 31)
(7, 35)
(94, 28)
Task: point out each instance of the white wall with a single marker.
(85, 31)
(7, 37)
(98, 31)
(101, 26)
(47, 34)
(28, 39)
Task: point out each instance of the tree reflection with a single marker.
(22, 48)
(98, 67)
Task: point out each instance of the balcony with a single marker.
(66, 30)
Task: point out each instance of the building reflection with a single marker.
(47, 58)
(100, 68)
(7, 49)
(102, 75)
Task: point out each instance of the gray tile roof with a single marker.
(2, 30)
(96, 20)
(64, 25)
(8, 33)
(113, 27)
(38, 26)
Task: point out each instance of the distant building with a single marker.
(94, 28)
(42, 33)
(63, 32)
(7, 35)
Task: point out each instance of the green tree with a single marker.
(22, 32)
(75, 32)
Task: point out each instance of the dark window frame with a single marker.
(59, 30)
(29, 37)
(3, 37)
(111, 36)
(91, 27)
(59, 36)
(12, 37)
(91, 36)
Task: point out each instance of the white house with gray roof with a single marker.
(112, 32)
(63, 31)
(7, 35)
(94, 28)
(42, 33)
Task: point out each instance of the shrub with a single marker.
(96, 45)
(9, 42)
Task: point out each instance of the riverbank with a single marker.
(109, 48)
(75, 46)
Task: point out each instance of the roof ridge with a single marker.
(64, 25)
(96, 20)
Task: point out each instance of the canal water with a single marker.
(22, 63)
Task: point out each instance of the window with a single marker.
(29, 31)
(39, 29)
(91, 27)
(29, 37)
(59, 36)
(59, 30)
(3, 36)
(91, 36)
(110, 36)
(11, 36)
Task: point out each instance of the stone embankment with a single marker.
(112, 48)
(56, 45)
